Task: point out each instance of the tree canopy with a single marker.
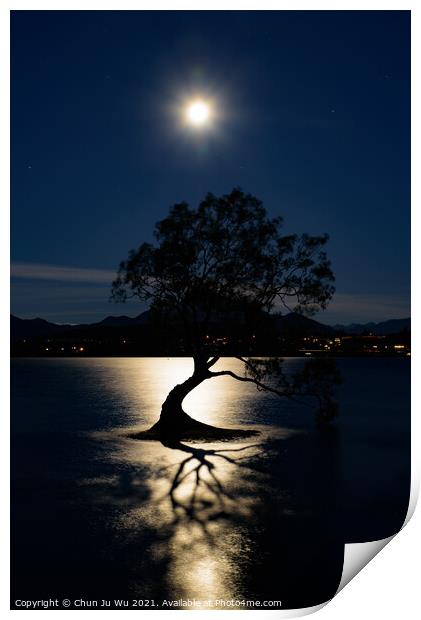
(224, 258)
(226, 255)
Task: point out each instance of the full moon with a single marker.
(198, 113)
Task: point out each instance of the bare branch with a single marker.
(212, 362)
(259, 384)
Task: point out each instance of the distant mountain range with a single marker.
(385, 328)
(289, 324)
(39, 328)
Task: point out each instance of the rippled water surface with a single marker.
(99, 514)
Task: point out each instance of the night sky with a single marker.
(312, 115)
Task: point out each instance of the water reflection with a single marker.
(138, 387)
(100, 512)
(197, 492)
(199, 502)
(196, 501)
(205, 507)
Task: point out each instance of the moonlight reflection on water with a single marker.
(139, 386)
(97, 513)
(201, 501)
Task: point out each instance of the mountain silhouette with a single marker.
(124, 321)
(385, 328)
(291, 325)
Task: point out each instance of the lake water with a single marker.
(98, 515)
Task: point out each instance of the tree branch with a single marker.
(259, 384)
(212, 362)
(263, 386)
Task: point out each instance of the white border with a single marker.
(391, 581)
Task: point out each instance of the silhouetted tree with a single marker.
(224, 258)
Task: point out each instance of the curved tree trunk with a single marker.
(175, 424)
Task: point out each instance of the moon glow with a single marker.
(198, 113)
